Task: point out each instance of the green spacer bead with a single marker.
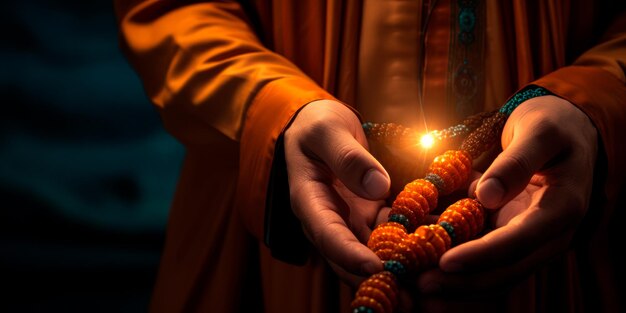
(395, 267)
(367, 127)
(435, 180)
(449, 229)
(363, 309)
(400, 218)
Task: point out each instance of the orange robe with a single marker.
(227, 77)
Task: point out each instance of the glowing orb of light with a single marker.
(427, 141)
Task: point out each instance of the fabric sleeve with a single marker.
(596, 83)
(209, 75)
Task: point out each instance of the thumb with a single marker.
(513, 169)
(355, 166)
(328, 132)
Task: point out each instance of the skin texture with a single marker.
(537, 191)
(337, 187)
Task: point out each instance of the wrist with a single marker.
(522, 96)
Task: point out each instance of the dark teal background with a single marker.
(87, 172)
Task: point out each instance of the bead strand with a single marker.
(387, 133)
(401, 243)
(392, 133)
(404, 253)
(485, 136)
(406, 248)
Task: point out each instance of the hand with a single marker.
(537, 190)
(336, 187)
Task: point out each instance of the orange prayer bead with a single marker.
(370, 303)
(385, 254)
(463, 163)
(458, 221)
(416, 251)
(387, 278)
(404, 255)
(448, 181)
(422, 261)
(385, 288)
(377, 295)
(453, 167)
(381, 245)
(426, 189)
(384, 239)
(467, 218)
(416, 200)
(431, 252)
(440, 240)
(378, 292)
(408, 253)
(394, 224)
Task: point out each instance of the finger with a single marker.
(360, 221)
(382, 216)
(492, 280)
(351, 163)
(551, 212)
(473, 183)
(320, 209)
(511, 171)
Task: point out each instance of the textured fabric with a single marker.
(228, 77)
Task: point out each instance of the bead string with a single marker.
(403, 243)
(392, 133)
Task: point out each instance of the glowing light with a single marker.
(427, 141)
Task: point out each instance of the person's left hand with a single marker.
(537, 191)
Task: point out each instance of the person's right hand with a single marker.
(336, 186)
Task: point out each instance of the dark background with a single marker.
(87, 172)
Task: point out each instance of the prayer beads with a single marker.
(453, 167)
(415, 252)
(387, 132)
(416, 200)
(386, 292)
(484, 136)
(406, 248)
(402, 244)
(392, 133)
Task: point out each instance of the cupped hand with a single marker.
(336, 187)
(537, 191)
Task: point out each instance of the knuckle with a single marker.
(315, 130)
(347, 158)
(520, 164)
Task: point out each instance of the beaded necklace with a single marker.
(403, 243)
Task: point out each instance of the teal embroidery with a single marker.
(523, 95)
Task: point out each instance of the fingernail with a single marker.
(375, 183)
(490, 192)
